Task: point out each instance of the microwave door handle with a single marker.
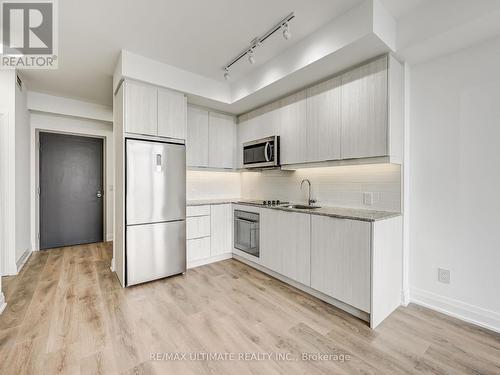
(266, 151)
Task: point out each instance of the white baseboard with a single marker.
(405, 298)
(202, 262)
(458, 309)
(112, 268)
(22, 261)
(3, 305)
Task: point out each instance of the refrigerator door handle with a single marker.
(158, 162)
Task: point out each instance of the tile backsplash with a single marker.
(341, 186)
(212, 185)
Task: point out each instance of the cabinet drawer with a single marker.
(198, 226)
(197, 211)
(197, 249)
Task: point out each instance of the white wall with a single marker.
(8, 167)
(341, 186)
(22, 198)
(72, 125)
(212, 185)
(454, 182)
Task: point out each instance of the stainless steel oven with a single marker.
(262, 153)
(246, 232)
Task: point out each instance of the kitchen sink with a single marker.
(300, 206)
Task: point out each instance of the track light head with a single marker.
(226, 73)
(251, 57)
(286, 32)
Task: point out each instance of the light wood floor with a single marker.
(66, 313)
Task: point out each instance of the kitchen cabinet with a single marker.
(323, 121)
(208, 233)
(221, 224)
(198, 226)
(222, 137)
(197, 137)
(293, 129)
(141, 108)
(358, 114)
(365, 111)
(171, 114)
(198, 248)
(341, 260)
(211, 138)
(285, 244)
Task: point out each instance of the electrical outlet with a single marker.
(443, 276)
(368, 198)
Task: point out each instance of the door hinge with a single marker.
(38, 191)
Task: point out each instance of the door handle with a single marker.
(266, 151)
(99, 194)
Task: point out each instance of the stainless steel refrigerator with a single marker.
(155, 210)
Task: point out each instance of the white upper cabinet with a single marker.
(222, 138)
(365, 111)
(355, 115)
(293, 141)
(141, 108)
(154, 111)
(211, 139)
(197, 137)
(323, 121)
(171, 114)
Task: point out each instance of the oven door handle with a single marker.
(266, 151)
(245, 220)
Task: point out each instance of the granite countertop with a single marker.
(339, 212)
(204, 202)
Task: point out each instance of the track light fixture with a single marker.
(256, 42)
(251, 57)
(286, 32)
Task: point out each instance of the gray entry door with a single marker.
(71, 190)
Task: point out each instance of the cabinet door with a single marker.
(340, 259)
(141, 108)
(171, 114)
(197, 249)
(293, 141)
(364, 111)
(221, 219)
(222, 136)
(285, 244)
(197, 137)
(323, 121)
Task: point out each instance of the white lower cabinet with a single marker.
(221, 219)
(341, 259)
(197, 227)
(197, 249)
(208, 233)
(285, 244)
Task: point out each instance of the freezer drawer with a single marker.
(155, 251)
(156, 182)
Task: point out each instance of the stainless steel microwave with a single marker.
(262, 153)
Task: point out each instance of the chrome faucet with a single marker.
(309, 201)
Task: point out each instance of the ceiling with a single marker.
(195, 35)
